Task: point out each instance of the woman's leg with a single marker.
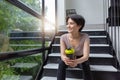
(61, 73)
(86, 71)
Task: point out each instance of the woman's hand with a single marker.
(66, 60)
(73, 63)
(69, 62)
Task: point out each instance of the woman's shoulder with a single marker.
(64, 35)
(85, 35)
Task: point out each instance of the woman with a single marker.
(79, 42)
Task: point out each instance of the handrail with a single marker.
(29, 10)
(21, 5)
(17, 54)
(112, 9)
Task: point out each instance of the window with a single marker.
(21, 30)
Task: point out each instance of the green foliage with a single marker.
(34, 4)
(5, 69)
(5, 16)
(25, 44)
(28, 59)
(12, 17)
(10, 77)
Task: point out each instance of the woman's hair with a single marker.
(78, 19)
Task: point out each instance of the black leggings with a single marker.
(61, 73)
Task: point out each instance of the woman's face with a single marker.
(72, 26)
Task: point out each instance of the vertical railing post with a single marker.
(118, 36)
(56, 21)
(40, 71)
(43, 31)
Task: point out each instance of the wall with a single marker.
(61, 12)
(90, 9)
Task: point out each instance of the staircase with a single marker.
(25, 67)
(103, 62)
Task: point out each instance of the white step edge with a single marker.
(54, 78)
(89, 36)
(25, 65)
(107, 68)
(84, 30)
(92, 45)
(91, 55)
(98, 45)
(97, 36)
(93, 30)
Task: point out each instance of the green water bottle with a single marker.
(70, 53)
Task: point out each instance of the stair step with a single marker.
(54, 78)
(89, 31)
(95, 58)
(94, 48)
(93, 40)
(88, 27)
(108, 68)
(97, 36)
(102, 55)
(17, 77)
(89, 36)
(99, 45)
(92, 45)
(85, 30)
(25, 65)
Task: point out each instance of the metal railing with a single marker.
(112, 20)
(18, 54)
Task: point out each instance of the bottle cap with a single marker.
(69, 51)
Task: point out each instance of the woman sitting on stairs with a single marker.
(78, 41)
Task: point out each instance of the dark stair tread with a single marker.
(108, 68)
(54, 78)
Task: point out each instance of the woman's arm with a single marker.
(85, 57)
(62, 49)
(62, 52)
(86, 51)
